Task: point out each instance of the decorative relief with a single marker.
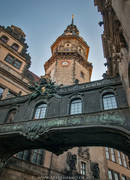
(33, 131)
(83, 152)
(71, 161)
(44, 87)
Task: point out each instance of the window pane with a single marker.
(15, 47)
(37, 156)
(26, 155)
(109, 101)
(83, 168)
(17, 64)
(40, 111)
(107, 153)
(13, 61)
(76, 107)
(124, 160)
(9, 59)
(123, 178)
(116, 175)
(119, 157)
(4, 39)
(113, 155)
(109, 175)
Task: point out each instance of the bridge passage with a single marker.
(89, 114)
(107, 128)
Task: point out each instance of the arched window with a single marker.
(15, 46)
(40, 111)
(37, 156)
(76, 106)
(10, 116)
(109, 101)
(4, 39)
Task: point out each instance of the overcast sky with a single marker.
(44, 20)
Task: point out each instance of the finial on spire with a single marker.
(72, 19)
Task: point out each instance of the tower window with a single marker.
(15, 46)
(109, 101)
(40, 111)
(76, 106)
(4, 39)
(13, 61)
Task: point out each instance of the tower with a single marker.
(69, 61)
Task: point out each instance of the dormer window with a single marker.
(15, 46)
(4, 39)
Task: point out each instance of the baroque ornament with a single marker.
(45, 87)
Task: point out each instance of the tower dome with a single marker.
(69, 61)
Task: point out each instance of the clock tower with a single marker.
(69, 61)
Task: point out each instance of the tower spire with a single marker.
(72, 19)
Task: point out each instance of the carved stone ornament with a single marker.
(95, 170)
(71, 161)
(83, 152)
(44, 87)
(33, 132)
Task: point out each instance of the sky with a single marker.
(44, 20)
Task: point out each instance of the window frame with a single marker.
(113, 155)
(113, 173)
(37, 107)
(13, 46)
(24, 155)
(111, 94)
(83, 168)
(13, 62)
(72, 102)
(107, 153)
(39, 156)
(4, 41)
